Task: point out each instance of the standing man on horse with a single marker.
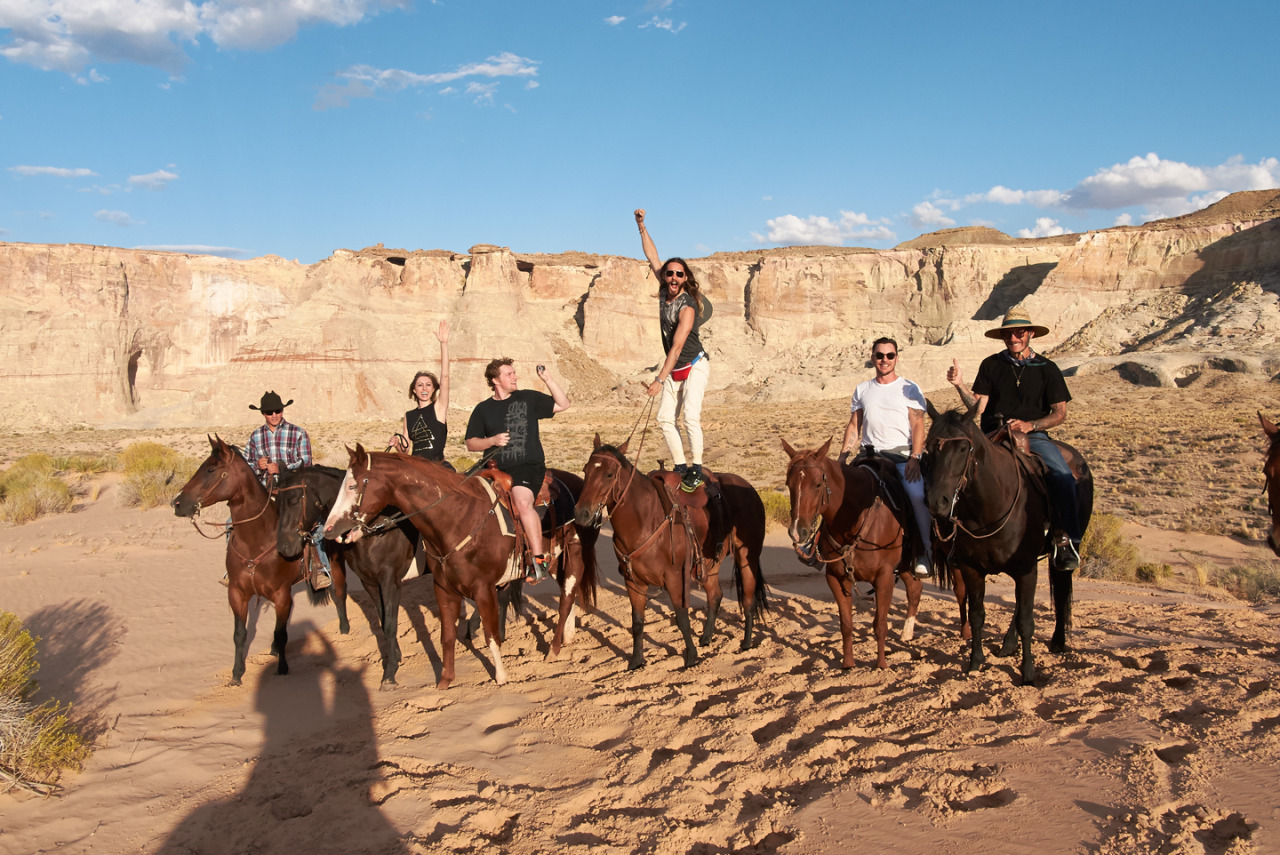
(509, 422)
(887, 413)
(1026, 391)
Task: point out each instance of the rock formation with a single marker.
(102, 336)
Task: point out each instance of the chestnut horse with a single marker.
(253, 564)
(840, 518)
(995, 519)
(465, 536)
(653, 545)
(1271, 477)
(304, 497)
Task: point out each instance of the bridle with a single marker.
(965, 476)
(809, 547)
(817, 530)
(199, 504)
(601, 512)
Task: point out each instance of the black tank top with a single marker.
(427, 434)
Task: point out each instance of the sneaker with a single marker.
(680, 469)
(538, 571)
(692, 479)
(321, 580)
(1066, 555)
(921, 569)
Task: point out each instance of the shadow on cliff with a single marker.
(1014, 287)
(310, 786)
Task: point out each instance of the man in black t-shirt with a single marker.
(509, 422)
(1027, 390)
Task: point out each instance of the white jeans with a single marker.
(683, 398)
(915, 492)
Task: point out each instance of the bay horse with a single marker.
(304, 497)
(1271, 477)
(841, 519)
(654, 548)
(465, 534)
(993, 517)
(253, 564)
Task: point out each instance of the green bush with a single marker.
(1256, 581)
(1107, 554)
(37, 742)
(777, 507)
(151, 471)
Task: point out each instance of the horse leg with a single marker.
(747, 576)
(842, 588)
(339, 576)
(239, 602)
(283, 601)
(715, 596)
(450, 604)
(975, 585)
(1025, 597)
(884, 598)
(487, 605)
(639, 597)
(680, 603)
(1060, 583)
(962, 600)
(1010, 643)
(390, 600)
(914, 586)
(571, 564)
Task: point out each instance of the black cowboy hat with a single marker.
(271, 403)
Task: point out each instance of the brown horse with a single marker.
(1271, 476)
(253, 564)
(841, 519)
(995, 519)
(304, 497)
(654, 547)
(467, 537)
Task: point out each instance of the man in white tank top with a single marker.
(887, 413)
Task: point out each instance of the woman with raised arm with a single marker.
(683, 375)
(425, 427)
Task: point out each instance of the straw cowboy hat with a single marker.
(271, 403)
(1015, 320)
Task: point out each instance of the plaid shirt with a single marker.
(287, 445)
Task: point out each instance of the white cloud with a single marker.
(54, 171)
(663, 24)
(65, 35)
(482, 91)
(116, 218)
(614, 20)
(198, 249)
(1005, 196)
(157, 180)
(656, 5)
(927, 215)
(1170, 187)
(790, 229)
(1124, 220)
(365, 81)
(1045, 227)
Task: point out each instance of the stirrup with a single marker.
(538, 570)
(320, 580)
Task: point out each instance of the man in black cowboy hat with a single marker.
(1027, 391)
(277, 442)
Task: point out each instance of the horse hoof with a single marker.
(344, 628)
(635, 664)
(234, 681)
(443, 684)
(388, 684)
(283, 669)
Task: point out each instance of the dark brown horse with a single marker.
(467, 537)
(994, 517)
(654, 547)
(253, 564)
(841, 518)
(380, 562)
(1271, 475)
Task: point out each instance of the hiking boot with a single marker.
(1066, 554)
(692, 479)
(321, 580)
(680, 469)
(538, 571)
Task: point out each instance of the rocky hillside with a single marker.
(99, 335)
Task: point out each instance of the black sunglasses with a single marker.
(885, 356)
(271, 412)
(679, 274)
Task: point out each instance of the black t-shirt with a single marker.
(427, 433)
(517, 415)
(669, 319)
(1018, 390)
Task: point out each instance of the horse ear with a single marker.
(791, 452)
(822, 452)
(930, 409)
(215, 441)
(360, 449)
(596, 447)
(1268, 426)
(622, 449)
(968, 414)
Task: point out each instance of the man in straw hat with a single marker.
(1026, 390)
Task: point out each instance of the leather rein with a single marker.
(965, 477)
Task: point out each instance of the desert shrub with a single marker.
(37, 742)
(777, 507)
(150, 473)
(31, 488)
(1107, 554)
(86, 464)
(1255, 581)
(462, 464)
(1153, 573)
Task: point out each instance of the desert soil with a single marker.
(1156, 733)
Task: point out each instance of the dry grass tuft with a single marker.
(31, 488)
(1256, 581)
(777, 507)
(1106, 553)
(150, 472)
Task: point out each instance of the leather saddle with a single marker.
(703, 508)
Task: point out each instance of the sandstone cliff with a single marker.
(101, 335)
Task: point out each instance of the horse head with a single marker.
(809, 482)
(952, 444)
(303, 498)
(601, 485)
(219, 478)
(360, 488)
(1271, 475)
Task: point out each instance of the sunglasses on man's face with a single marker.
(678, 274)
(885, 357)
(271, 412)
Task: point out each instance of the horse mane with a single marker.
(613, 450)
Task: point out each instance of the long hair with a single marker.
(690, 283)
(435, 390)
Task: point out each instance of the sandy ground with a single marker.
(1157, 733)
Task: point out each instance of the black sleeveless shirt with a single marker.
(427, 434)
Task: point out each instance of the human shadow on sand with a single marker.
(311, 785)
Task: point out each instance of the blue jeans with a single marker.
(924, 522)
(317, 537)
(1061, 484)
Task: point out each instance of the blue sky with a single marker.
(297, 127)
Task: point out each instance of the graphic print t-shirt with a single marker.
(517, 415)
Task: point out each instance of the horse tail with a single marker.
(587, 537)
(320, 597)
